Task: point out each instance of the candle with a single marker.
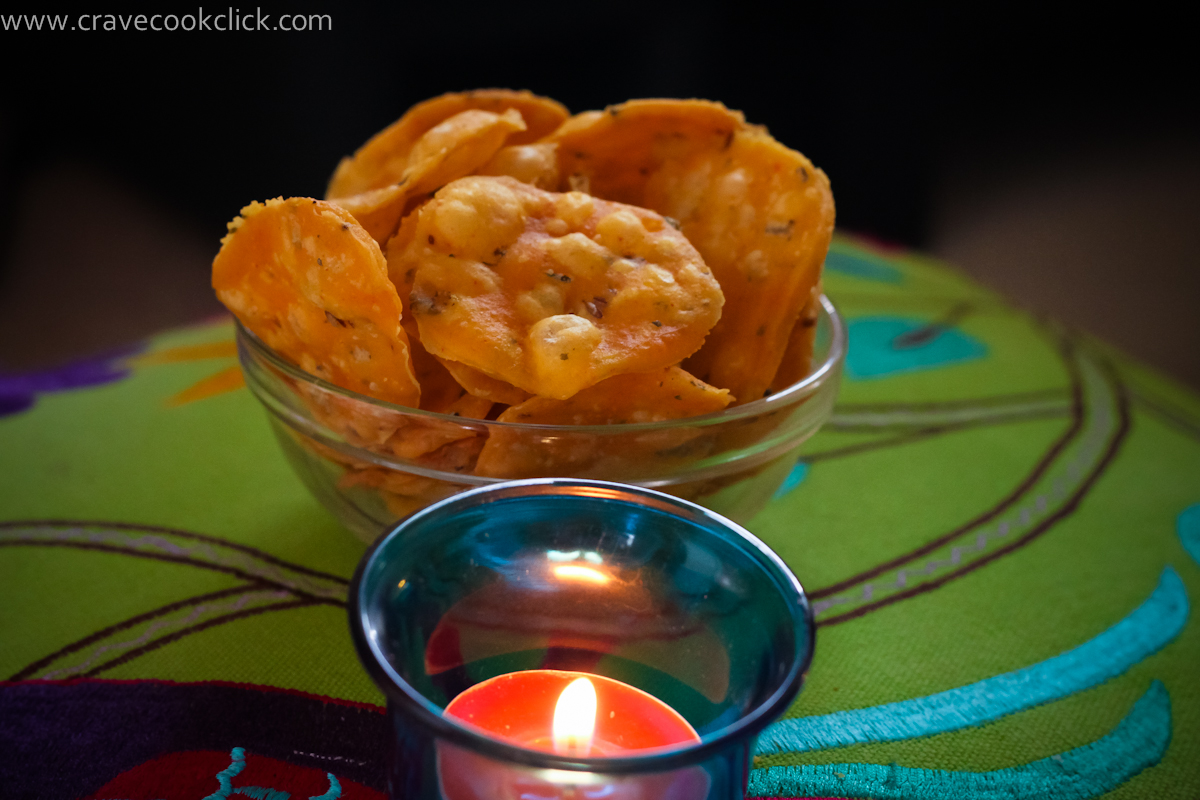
(524, 707)
(572, 714)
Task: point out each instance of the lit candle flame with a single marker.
(578, 572)
(575, 718)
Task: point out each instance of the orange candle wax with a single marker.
(519, 708)
(522, 707)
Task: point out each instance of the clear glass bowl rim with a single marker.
(650, 761)
(802, 389)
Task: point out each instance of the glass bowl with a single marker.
(596, 579)
(372, 463)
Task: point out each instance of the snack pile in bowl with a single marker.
(493, 288)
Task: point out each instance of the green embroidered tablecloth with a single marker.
(999, 530)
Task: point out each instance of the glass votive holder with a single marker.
(492, 592)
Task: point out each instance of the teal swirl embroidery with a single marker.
(225, 777)
(1145, 631)
(262, 793)
(238, 763)
(794, 479)
(878, 346)
(335, 789)
(1139, 741)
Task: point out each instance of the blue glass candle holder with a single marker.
(592, 577)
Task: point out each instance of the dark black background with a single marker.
(886, 98)
(878, 94)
